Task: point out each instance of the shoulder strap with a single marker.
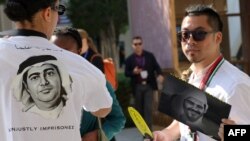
(101, 135)
(99, 123)
(93, 56)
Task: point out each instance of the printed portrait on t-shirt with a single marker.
(42, 85)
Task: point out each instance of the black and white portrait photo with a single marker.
(192, 106)
(42, 85)
(187, 106)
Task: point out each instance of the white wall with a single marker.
(126, 38)
(234, 25)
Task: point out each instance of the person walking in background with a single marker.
(201, 36)
(142, 68)
(35, 21)
(69, 39)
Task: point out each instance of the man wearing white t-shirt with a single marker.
(52, 94)
(200, 36)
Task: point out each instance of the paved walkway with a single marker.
(133, 134)
(129, 134)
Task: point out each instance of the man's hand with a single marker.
(91, 136)
(221, 129)
(102, 112)
(137, 70)
(160, 78)
(160, 136)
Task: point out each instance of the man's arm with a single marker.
(129, 68)
(171, 133)
(114, 122)
(102, 112)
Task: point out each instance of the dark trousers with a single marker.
(143, 102)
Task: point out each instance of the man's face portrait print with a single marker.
(193, 108)
(44, 85)
(40, 86)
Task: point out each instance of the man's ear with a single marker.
(205, 108)
(26, 87)
(47, 13)
(218, 37)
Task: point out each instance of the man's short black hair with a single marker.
(72, 32)
(137, 37)
(214, 19)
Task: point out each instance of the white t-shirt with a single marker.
(230, 85)
(85, 87)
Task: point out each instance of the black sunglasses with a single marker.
(197, 35)
(60, 9)
(137, 44)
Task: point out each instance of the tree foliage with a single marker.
(102, 19)
(98, 15)
(2, 1)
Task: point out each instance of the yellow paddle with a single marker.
(140, 123)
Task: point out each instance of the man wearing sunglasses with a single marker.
(142, 68)
(200, 37)
(35, 21)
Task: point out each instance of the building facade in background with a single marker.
(154, 22)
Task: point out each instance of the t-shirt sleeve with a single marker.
(96, 94)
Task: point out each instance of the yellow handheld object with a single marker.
(139, 122)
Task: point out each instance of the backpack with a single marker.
(109, 70)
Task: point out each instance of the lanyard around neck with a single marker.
(140, 61)
(211, 72)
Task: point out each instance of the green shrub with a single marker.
(124, 95)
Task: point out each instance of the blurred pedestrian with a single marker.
(143, 69)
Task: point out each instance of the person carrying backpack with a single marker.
(106, 65)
